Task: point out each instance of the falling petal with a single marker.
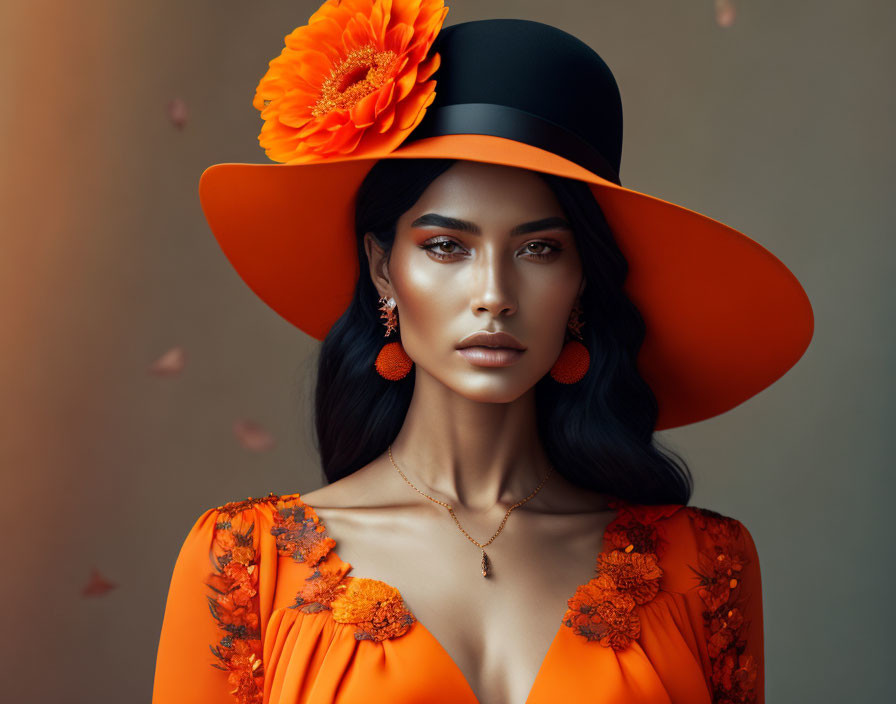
(169, 364)
(97, 585)
(725, 13)
(252, 436)
(177, 113)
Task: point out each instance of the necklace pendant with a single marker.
(486, 567)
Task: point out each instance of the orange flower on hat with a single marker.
(356, 79)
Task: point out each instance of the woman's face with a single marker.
(485, 248)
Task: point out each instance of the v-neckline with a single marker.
(615, 504)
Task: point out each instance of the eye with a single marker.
(542, 254)
(444, 251)
(537, 249)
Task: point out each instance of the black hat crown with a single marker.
(529, 82)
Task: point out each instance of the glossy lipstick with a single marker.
(491, 356)
(491, 349)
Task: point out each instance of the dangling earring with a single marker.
(392, 362)
(574, 359)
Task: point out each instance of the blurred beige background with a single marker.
(780, 125)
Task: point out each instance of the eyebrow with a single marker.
(434, 219)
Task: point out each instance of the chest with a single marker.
(497, 629)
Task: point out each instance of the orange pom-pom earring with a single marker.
(392, 362)
(574, 360)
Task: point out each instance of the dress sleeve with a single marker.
(210, 648)
(728, 608)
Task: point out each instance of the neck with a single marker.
(470, 454)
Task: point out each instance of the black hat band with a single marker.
(515, 124)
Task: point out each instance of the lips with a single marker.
(490, 356)
(484, 338)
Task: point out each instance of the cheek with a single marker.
(424, 292)
(546, 300)
(546, 320)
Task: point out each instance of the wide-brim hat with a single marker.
(370, 80)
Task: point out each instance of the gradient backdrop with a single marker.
(142, 382)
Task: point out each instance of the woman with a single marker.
(504, 327)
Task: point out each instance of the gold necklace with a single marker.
(486, 565)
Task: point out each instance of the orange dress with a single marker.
(262, 610)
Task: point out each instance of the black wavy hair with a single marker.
(598, 432)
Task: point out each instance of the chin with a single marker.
(489, 386)
(492, 395)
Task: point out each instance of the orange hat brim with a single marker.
(725, 318)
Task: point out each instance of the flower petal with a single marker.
(410, 111)
(404, 84)
(428, 67)
(398, 38)
(379, 19)
(350, 146)
(341, 137)
(357, 33)
(386, 118)
(385, 97)
(363, 112)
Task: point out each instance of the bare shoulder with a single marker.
(335, 495)
(362, 488)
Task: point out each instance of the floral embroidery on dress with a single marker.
(235, 507)
(605, 608)
(234, 600)
(719, 568)
(375, 608)
(300, 535)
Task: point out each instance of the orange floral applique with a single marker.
(300, 534)
(634, 573)
(628, 575)
(357, 79)
(599, 611)
(235, 507)
(375, 608)
(234, 599)
(319, 590)
(720, 564)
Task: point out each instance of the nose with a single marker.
(494, 282)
